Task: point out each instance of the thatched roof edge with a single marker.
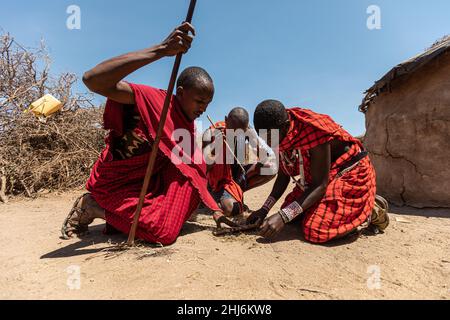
(407, 67)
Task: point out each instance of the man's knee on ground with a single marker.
(165, 235)
(168, 238)
(315, 236)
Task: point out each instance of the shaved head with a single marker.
(238, 118)
(270, 114)
(195, 91)
(195, 78)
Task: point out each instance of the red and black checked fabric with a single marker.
(349, 199)
(220, 175)
(174, 192)
(149, 104)
(169, 202)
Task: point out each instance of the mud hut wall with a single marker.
(408, 137)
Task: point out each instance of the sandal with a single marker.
(74, 225)
(380, 216)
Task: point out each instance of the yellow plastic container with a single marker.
(46, 106)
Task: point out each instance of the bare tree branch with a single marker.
(58, 154)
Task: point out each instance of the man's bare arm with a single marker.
(320, 172)
(106, 78)
(280, 186)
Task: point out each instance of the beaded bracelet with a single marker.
(291, 212)
(270, 202)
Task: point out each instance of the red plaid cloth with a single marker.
(169, 202)
(349, 199)
(220, 175)
(174, 192)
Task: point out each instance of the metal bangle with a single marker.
(292, 211)
(283, 216)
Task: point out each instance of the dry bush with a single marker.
(36, 156)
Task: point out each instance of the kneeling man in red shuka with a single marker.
(335, 180)
(235, 173)
(132, 115)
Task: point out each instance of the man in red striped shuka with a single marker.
(132, 115)
(230, 177)
(335, 190)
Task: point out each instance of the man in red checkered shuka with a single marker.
(132, 114)
(335, 180)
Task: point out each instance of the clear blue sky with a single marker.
(317, 54)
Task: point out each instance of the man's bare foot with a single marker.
(84, 211)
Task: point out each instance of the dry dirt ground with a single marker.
(412, 258)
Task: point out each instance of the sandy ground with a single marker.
(412, 257)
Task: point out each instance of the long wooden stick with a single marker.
(161, 125)
(228, 146)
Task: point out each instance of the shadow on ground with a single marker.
(425, 212)
(95, 236)
(294, 232)
(110, 242)
(194, 227)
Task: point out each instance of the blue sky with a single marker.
(316, 54)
